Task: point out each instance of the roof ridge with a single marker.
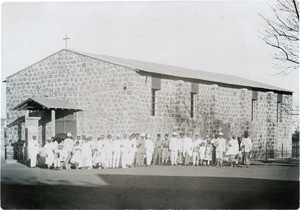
(170, 70)
(263, 85)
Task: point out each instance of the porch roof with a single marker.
(45, 103)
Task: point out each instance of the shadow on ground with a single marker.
(131, 191)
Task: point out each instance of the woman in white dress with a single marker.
(233, 150)
(77, 156)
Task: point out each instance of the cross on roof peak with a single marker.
(66, 41)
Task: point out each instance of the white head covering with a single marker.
(148, 136)
(69, 134)
(174, 134)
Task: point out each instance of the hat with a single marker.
(207, 135)
(143, 134)
(220, 134)
(118, 135)
(148, 136)
(69, 134)
(174, 134)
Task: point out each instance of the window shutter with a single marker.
(156, 83)
(254, 95)
(194, 88)
(279, 98)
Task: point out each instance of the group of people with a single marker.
(140, 150)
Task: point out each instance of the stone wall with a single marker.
(218, 109)
(259, 128)
(102, 89)
(3, 136)
(117, 99)
(279, 131)
(233, 116)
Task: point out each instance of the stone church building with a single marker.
(89, 94)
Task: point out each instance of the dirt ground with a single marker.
(150, 187)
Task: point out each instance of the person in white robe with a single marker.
(78, 138)
(173, 147)
(165, 150)
(125, 148)
(77, 156)
(48, 148)
(180, 148)
(140, 154)
(63, 154)
(68, 147)
(233, 150)
(196, 146)
(93, 142)
(208, 152)
(86, 152)
(109, 151)
(56, 161)
(149, 147)
(246, 145)
(132, 150)
(116, 151)
(220, 150)
(33, 150)
(101, 149)
(202, 147)
(187, 149)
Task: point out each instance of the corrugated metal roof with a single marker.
(182, 72)
(45, 103)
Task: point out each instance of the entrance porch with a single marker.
(44, 118)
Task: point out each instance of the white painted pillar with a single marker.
(53, 123)
(26, 113)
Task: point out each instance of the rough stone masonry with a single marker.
(116, 98)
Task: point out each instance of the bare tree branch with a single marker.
(282, 33)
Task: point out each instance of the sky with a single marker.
(216, 36)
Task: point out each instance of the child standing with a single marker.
(202, 148)
(208, 153)
(196, 144)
